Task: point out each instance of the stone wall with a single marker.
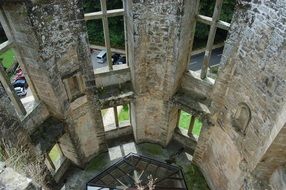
(17, 145)
(52, 46)
(249, 105)
(278, 179)
(158, 37)
(274, 157)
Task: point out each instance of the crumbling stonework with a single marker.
(253, 73)
(242, 142)
(52, 43)
(158, 49)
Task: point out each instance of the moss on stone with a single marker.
(153, 149)
(194, 178)
(98, 163)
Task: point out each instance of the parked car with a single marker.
(20, 91)
(101, 57)
(121, 60)
(115, 58)
(20, 83)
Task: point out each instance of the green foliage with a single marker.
(95, 27)
(202, 30)
(8, 58)
(124, 114)
(116, 24)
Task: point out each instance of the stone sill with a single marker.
(116, 69)
(112, 127)
(196, 75)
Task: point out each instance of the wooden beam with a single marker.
(106, 33)
(11, 92)
(99, 14)
(211, 38)
(208, 20)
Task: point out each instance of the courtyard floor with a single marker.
(77, 178)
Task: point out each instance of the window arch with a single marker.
(242, 117)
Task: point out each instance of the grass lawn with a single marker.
(55, 155)
(8, 58)
(184, 123)
(124, 113)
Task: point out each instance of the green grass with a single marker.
(194, 178)
(124, 114)
(55, 155)
(98, 163)
(8, 58)
(153, 149)
(184, 123)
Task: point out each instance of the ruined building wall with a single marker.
(158, 39)
(16, 143)
(51, 40)
(274, 157)
(278, 179)
(249, 105)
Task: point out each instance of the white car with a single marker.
(21, 91)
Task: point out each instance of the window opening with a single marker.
(210, 13)
(107, 33)
(13, 74)
(115, 117)
(189, 125)
(56, 157)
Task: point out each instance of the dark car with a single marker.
(115, 58)
(20, 83)
(121, 60)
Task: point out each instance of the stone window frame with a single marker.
(194, 116)
(104, 14)
(10, 44)
(214, 23)
(50, 164)
(117, 125)
(236, 118)
(80, 86)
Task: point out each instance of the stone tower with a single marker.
(242, 144)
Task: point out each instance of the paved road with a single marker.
(197, 60)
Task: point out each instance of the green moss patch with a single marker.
(98, 163)
(153, 149)
(194, 178)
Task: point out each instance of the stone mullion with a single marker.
(11, 92)
(211, 38)
(191, 126)
(50, 162)
(116, 116)
(125, 31)
(106, 33)
(193, 29)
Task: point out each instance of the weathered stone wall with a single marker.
(158, 38)
(18, 146)
(278, 179)
(249, 104)
(273, 158)
(51, 42)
